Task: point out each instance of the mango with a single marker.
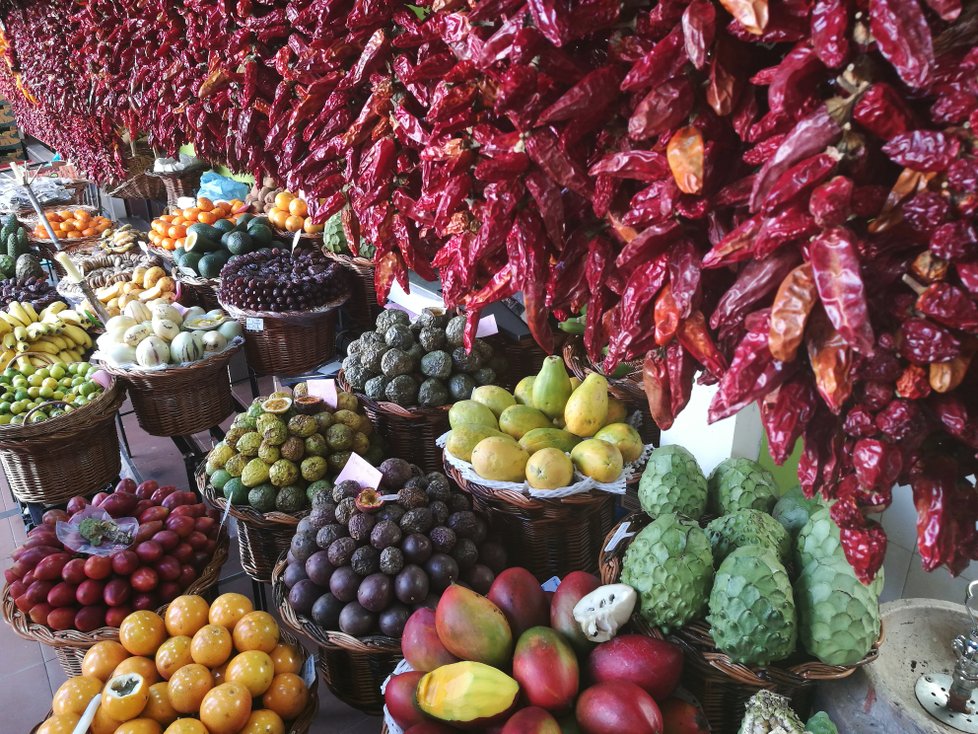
(551, 388)
(524, 391)
(653, 665)
(464, 438)
(467, 694)
(545, 666)
(517, 593)
(574, 587)
(499, 458)
(495, 398)
(613, 708)
(519, 420)
(598, 459)
(624, 438)
(682, 717)
(531, 720)
(399, 697)
(587, 407)
(473, 628)
(420, 644)
(549, 469)
(617, 411)
(548, 438)
(471, 412)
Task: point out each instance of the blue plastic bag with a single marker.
(216, 187)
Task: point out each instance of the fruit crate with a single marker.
(722, 686)
(74, 454)
(70, 646)
(352, 668)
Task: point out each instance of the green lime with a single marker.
(33, 391)
(17, 420)
(35, 380)
(39, 416)
(28, 369)
(57, 371)
(46, 392)
(5, 419)
(58, 395)
(21, 394)
(220, 478)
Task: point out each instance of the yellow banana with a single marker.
(43, 345)
(54, 308)
(9, 340)
(29, 310)
(70, 317)
(37, 330)
(59, 341)
(23, 347)
(5, 328)
(39, 363)
(68, 357)
(23, 362)
(6, 358)
(18, 312)
(78, 335)
(21, 333)
(11, 319)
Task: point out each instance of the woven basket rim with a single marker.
(212, 362)
(23, 627)
(696, 639)
(196, 280)
(54, 429)
(393, 409)
(303, 236)
(579, 363)
(326, 309)
(352, 260)
(325, 638)
(243, 513)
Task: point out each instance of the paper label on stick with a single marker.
(620, 534)
(253, 323)
(550, 584)
(487, 327)
(325, 389)
(309, 671)
(296, 239)
(360, 471)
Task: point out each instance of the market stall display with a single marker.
(289, 214)
(73, 224)
(82, 571)
(103, 270)
(342, 243)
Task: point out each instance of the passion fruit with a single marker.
(369, 500)
(277, 405)
(308, 405)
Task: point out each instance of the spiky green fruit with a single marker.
(794, 509)
(770, 713)
(741, 484)
(752, 610)
(819, 541)
(748, 527)
(839, 618)
(670, 565)
(820, 723)
(672, 482)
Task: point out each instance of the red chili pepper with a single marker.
(696, 340)
(925, 342)
(659, 65)
(881, 110)
(835, 264)
(655, 381)
(757, 279)
(831, 202)
(542, 147)
(799, 180)
(949, 305)
(699, 27)
(863, 541)
(831, 361)
(903, 37)
(785, 413)
(735, 246)
(681, 370)
(596, 89)
(662, 109)
(830, 27)
(641, 165)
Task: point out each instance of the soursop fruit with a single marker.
(752, 610)
(748, 527)
(770, 713)
(670, 565)
(741, 484)
(819, 542)
(672, 482)
(794, 509)
(838, 617)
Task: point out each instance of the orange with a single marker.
(143, 666)
(205, 204)
(286, 659)
(74, 694)
(186, 614)
(227, 609)
(63, 724)
(283, 199)
(236, 204)
(186, 726)
(158, 706)
(125, 696)
(75, 235)
(173, 232)
(253, 669)
(287, 696)
(167, 244)
(207, 217)
(278, 217)
(264, 721)
(178, 221)
(158, 227)
(102, 658)
(140, 726)
(211, 646)
(142, 632)
(82, 215)
(310, 227)
(298, 208)
(103, 723)
(188, 686)
(256, 631)
(293, 224)
(225, 709)
(191, 214)
(167, 218)
(52, 217)
(173, 655)
(91, 231)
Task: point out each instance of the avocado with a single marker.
(261, 234)
(210, 264)
(190, 260)
(239, 243)
(245, 219)
(223, 226)
(204, 230)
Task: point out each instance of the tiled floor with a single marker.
(29, 672)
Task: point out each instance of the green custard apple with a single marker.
(741, 484)
(673, 483)
(748, 527)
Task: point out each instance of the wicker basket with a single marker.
(74, 454)
(721, 685)
(197, 291)
(523, 357)
(363, 304)
(549, 537)
(70, 646)
(353, 668)
(408, 433)
(181, 401)
(262, 537)
(180, 183)
(137, 184)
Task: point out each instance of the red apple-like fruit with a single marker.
(683, 717)
(98, 567)
(574, 587)
(613, 708)
(399, 698)
(654, 665)
(517, 593)
(531, 720)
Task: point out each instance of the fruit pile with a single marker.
(199, 669)
(36, 291)
(515, 662)
(360, 565)
(284, 448)
(781, 573)
(143, 286)
(22, 390)
(64, 589)
(55, 334)
(169, 231)
(283, 280)
(553, 425)
(121, 239)
(341, 236)
(72, 225)
(208, 247)
(419, 363)
(289, 212)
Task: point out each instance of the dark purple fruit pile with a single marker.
(362, 567)
(35, 291)
(281, 280)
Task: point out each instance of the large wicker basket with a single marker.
(70, 646)
(362, 305)
(197, 291)
(74, 454)
(722, 686)
(180, 183)
(136, 184)
(353, 668)
(262, 537)
(181, 401)
(549, 537)
(408, 433)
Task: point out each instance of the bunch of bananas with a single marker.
(122, 239)
(56, 332)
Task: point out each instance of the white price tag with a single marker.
(550, 584)
(325, 389)
(254, 324)
(487, 327)
(360, 471)
(620, 534)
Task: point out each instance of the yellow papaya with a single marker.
(587, 408)
(551, 388)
